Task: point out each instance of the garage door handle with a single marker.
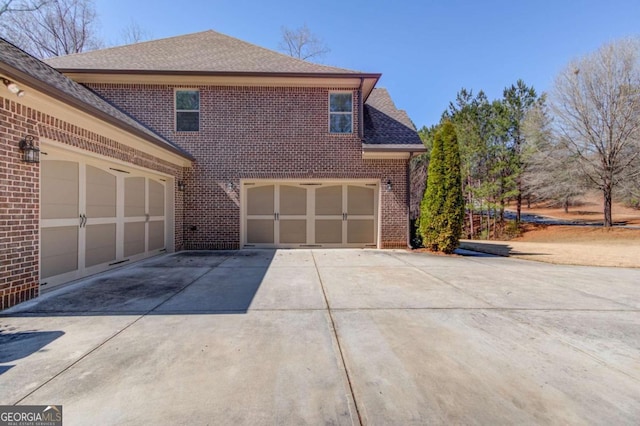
(83, 220)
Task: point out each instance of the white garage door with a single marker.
(309, 214)
(95, 216)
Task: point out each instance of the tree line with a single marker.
(527, 147)
(48, 28)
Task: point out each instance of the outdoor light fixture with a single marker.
(13, 88)
(389, 185)
(31, 154)
(229, 186)
(181, 186)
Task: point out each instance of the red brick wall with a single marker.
(19, 209)
(20, 186)
(258, 132)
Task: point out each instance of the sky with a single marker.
(425, 50)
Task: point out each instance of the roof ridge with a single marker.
(120, 46)
(202, 51)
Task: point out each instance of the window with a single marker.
(187, 110)
(340, 112)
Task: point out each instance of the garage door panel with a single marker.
(361, 231)
(329, 200)
(156, 198)
(293, 200)
(134, 238)
(260, 200)
(260, 231)
(328, 231)
(101, 193)
(156, 235)
(293, 231)
(360, 200)
(100, 244)
(134, 196)
(58, 250)
(60, 189)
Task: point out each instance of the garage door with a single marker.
(95, 216)
(309, 214)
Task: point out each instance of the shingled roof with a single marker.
(206, 52)
(384, 124)
(19, 65)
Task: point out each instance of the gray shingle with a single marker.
(384, 124)
(52, 82)
(206, 51)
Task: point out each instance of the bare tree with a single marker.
(59, 27)
(134, 33)
(551, 171)
(301, 43)
(596, 102)
(8, 6)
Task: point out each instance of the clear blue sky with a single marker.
(426, 50)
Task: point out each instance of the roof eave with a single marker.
(60, 95)
(372, 147)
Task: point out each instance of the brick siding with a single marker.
(259, 133)
(20, 190)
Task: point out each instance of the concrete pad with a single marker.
(508, 289)
(223, 289)
(479, 367)
(428, 260)
(33, 350)
(352, 257)
(383, 287)
(259, 368)
(250, 259)
(194, 259)
(613, 338)
(289, 288)
(292, 258)
(133, 290)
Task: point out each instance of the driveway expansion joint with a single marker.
(337, 339)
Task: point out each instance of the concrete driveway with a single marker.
(331, 337)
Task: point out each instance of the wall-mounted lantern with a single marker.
(30, 153)
(181, 186)
(389, 185)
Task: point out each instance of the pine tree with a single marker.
(442, 208)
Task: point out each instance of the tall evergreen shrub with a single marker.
(442, 208)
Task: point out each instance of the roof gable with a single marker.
(207, 52)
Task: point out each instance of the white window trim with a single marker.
(338, 92)
(176, 110)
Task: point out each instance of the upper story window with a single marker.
(341, 112)
(187, 110)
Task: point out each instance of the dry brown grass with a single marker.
(573, 245)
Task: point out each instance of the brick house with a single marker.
(200, 141)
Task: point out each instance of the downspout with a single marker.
(361, 111)
(408, 198)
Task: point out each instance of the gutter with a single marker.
(361, 76)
